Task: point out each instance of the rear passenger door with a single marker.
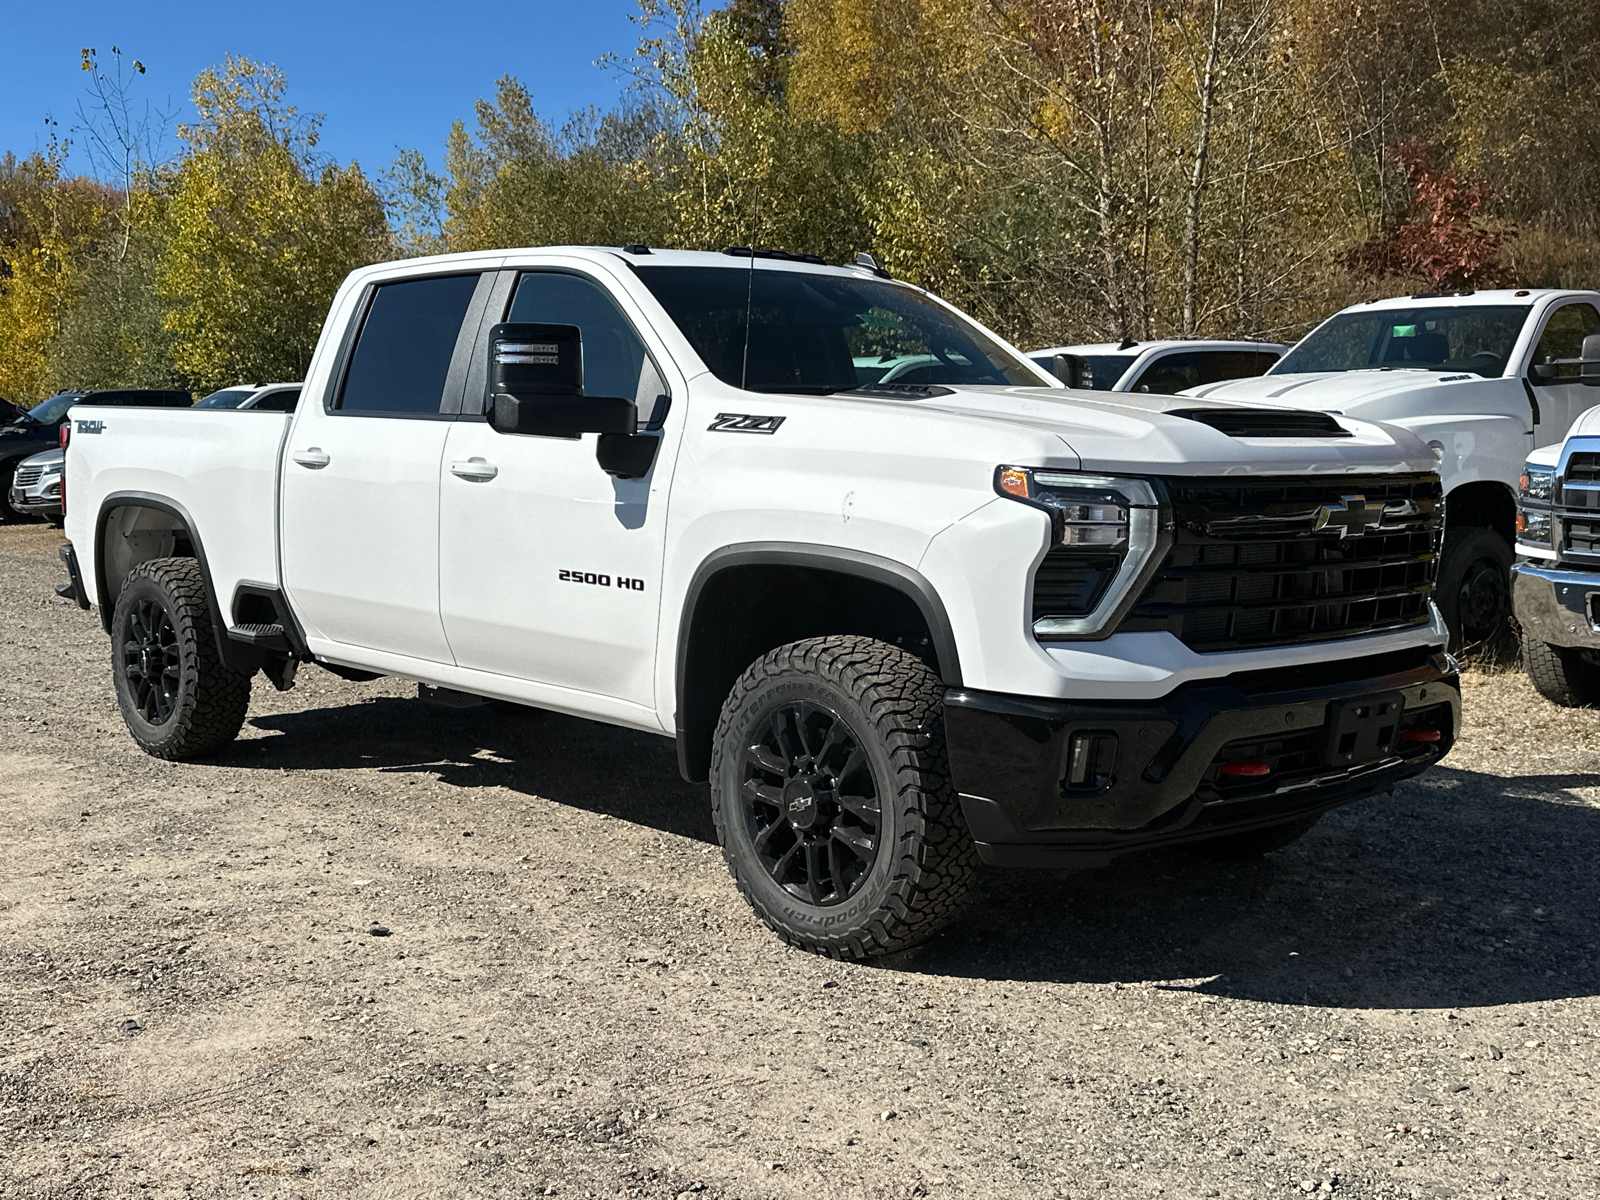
(360, 497)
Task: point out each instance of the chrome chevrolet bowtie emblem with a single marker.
(1352, 516)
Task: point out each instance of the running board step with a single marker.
(268, 637)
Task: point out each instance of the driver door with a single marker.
(1562, 401)
(550, 569)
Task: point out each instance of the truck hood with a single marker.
(1141, 433)
(1588, 421)
(1349, 391)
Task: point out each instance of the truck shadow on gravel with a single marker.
(1462, 889)
(622, 773)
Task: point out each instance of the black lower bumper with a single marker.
(1068, 783)
(73, 588)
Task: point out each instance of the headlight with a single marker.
(1533, 527)
(1107, 536)
(1537, 484)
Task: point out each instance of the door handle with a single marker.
(474, 468)
(314, 458)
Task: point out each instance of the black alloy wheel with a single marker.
(178, 698)
(152, 660)
(831, 797)
(810, 803)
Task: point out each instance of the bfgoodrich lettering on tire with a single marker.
(831, 796)
(177, 698)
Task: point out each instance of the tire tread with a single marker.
(936, 860)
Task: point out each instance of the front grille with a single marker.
(1583, 467)
(1249, 567)
(1583, 536)
(26, 477)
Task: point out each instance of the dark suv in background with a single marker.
(40, 428)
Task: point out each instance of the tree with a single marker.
(1441, 237)
(260, 231)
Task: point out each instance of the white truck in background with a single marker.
(1555, 583)
(1165, 367)
(899, 626)
(1480, 377)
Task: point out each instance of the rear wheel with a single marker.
(1563, 675)
(1474, 586)
(177, 698)
(1254, 843)
(831, 796)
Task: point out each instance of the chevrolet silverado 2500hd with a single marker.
(1482, 377)
(899, 627)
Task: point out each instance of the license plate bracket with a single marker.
(1363, 728)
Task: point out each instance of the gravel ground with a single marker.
(571, 999)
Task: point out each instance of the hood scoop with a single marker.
(902, 391)
(1264, 422)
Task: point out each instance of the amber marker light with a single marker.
(1014, 482)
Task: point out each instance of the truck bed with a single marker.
(218, 467)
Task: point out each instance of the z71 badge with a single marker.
(744, 423)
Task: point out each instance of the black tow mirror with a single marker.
(1544, 372)
(1073, 370)
(536, 385)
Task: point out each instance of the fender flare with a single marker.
(235, 656)
(909, 582)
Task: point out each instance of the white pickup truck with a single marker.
(1556, 579)
(1473, 374)
(900, 627)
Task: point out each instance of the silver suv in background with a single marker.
(36, 485)
(267, 397)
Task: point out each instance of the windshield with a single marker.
(53, 409)
(818, 333)
(227, 398)
(1474, 337)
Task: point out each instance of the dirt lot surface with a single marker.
(571, 998)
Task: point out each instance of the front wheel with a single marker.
(831, 795)
(1563, 675)
(177, 698)
(1474, 586)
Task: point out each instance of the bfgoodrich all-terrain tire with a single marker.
(177, 698)
(1473, 589)
(831, 795)
(1563, 675)
(1254, 843)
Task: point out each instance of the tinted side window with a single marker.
(1169, 375)
(1217, 365)
(403, 353)
(1563, 337)
(613, 356)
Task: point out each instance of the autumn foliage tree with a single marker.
(1440, 236)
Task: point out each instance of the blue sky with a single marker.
(385, 75)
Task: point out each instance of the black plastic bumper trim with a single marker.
(1008, 760)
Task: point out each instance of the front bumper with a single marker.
(37, 501)
(1014, 759)
(1556, 605)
